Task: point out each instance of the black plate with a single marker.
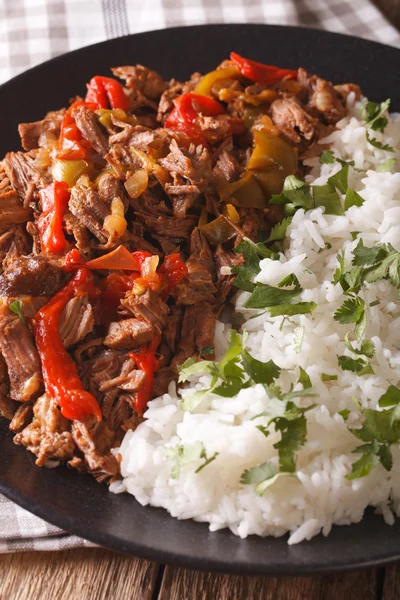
(77, 503)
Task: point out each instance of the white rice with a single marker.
(321, 495)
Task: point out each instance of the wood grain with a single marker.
(391, 10)
(82, 574)
(182, 584)
(391, 586)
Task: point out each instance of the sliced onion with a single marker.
(137, 183)
(150, 265)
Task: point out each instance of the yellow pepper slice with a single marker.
(69, 170)
(272, 160)
(206, 83)
(245, 192)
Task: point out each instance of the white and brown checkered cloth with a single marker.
(32, 31)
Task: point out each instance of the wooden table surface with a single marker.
(98, 574)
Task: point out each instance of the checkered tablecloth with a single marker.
(32, 31)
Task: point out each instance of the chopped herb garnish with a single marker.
(183, 455)
(352, 199)
(376, 120)
(252, 254)
(353, 311)
(327, 377)
(377, 144)
(344, 413)
(278, 232)
(298, 194)
(327, 157)
(374, 303)
(356, 365)
(236, 371)
(380, 430)
(16, 307)
(304, 379)
(298, 338)
(264, 475)
(340, 179)
(386, 166)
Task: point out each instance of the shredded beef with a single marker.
(205, 328)
(178, 229)
(88, 124)
(128, 334)
(93, 444)
(198, 286)
(7, 406)
(35, 275)
(143, 79)
(24, 176)
(48, 436)
(76, 321)
(323, 99)
(31, 133)
(21, 356)
(292, 120)
(90, 209)
(148, 308)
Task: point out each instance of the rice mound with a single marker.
(321, 495)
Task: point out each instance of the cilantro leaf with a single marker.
(344, 413)
(327, 377)
(378, 426)
(367, 256)
(352, 364)
(390, 398)
(387, 165)
(296, 192)
(327, 157)
(264, 475)
(265, 296)
(373, 114)
(293, 436)
(191, 367)
(326, 195)
(206, 462)
(377, 144)
(258, 371)
(298, 338)
(278, 232)
(264, 430)
(16, 307)
(301, 308)
(252, 254)
(352, 199)
(184, 454)
(363, 466)
(367, 347)
(304, 379)
(351, 311)
(290, 280)
(259, 473)
(340, 179)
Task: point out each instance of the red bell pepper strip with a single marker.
(73, 145)
(146, 361)
(261, 73)
(54, 199)
(60, 375)
(173, 270)
(187, 108)
(106, 92)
